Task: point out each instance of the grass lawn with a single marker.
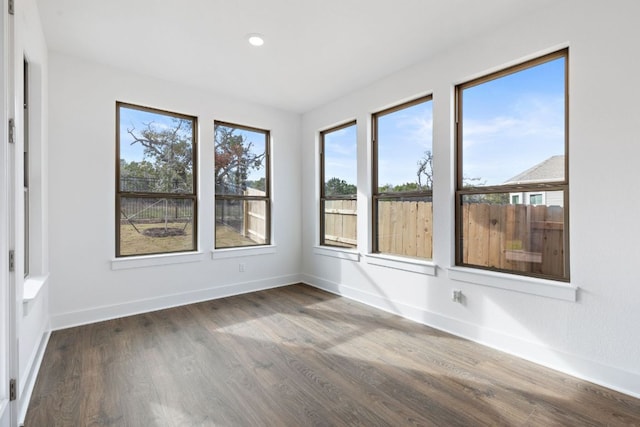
(134, 243)
(227, 237)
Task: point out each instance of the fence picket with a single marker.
(512, 237)
(410, 233)
(496, 232)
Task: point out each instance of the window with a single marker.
(512, 138)
(338, 190)
(403, 180)
(242, 186)
(156, 181)
(535, 199)
(515, 199)
(26, 170)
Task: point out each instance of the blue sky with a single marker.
(509, 125)
(134, 118)
(258, 140)
(340, 154)
(403, 138)
(513, 123)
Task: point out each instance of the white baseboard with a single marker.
(101, 313)
(27, 384)
(607, 376)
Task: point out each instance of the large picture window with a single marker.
(512, 170)
(156, 184)
(243, 211)
(403, 180)
(338, 190)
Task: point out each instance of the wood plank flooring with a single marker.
(297, 356)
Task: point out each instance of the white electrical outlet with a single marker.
(241, 267)
(457, 296)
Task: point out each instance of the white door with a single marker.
(8, 338)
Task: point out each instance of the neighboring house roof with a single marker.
(551, 169)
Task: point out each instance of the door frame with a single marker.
(8, 292)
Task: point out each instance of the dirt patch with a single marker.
(164, 232)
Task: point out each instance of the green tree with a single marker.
(339, 187)
(400, 188)
(258, 184)
(424, 175)
(137, 176)
(168, 156)
(407, 186)
(425, 171)
(234, 159)
(489, 198)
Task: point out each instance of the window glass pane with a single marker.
(513, 127)
(404, 147)
(240, 160)
(535, 199)
(516, 237)
(241, 223)
(155, 225)
(405, 226)
(340, 223)
(156, 152)
(340, 162)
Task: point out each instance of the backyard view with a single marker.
(511, 190)
(338, 192)
(402, 199)
(242, 183)
(403, 180)
(511, 212)
(156, 190)
(512, 136)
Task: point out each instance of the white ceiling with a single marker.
(315, 50)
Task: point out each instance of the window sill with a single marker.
(348, 254)
(511, 282)
(402, 263)
(240, 252)
(31, 290)
(155, 260)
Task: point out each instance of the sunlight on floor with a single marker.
(353, 340)
(164, 415)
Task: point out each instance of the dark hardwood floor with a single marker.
(297, 356)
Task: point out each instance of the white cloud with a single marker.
(504, 145)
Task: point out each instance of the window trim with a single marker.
(515, 283)
(323, 196)
(377, 196)
(267, 182)
(193, 196)
(26, 171)
(562, 185)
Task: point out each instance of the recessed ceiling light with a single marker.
(255, 39)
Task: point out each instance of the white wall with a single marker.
(32, 306)
(84, 287)
(7, 350)
(595, 337)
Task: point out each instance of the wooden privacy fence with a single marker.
(254, 224)
(405, 228)
(408, 235)
(512, 237)
(340, 223)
